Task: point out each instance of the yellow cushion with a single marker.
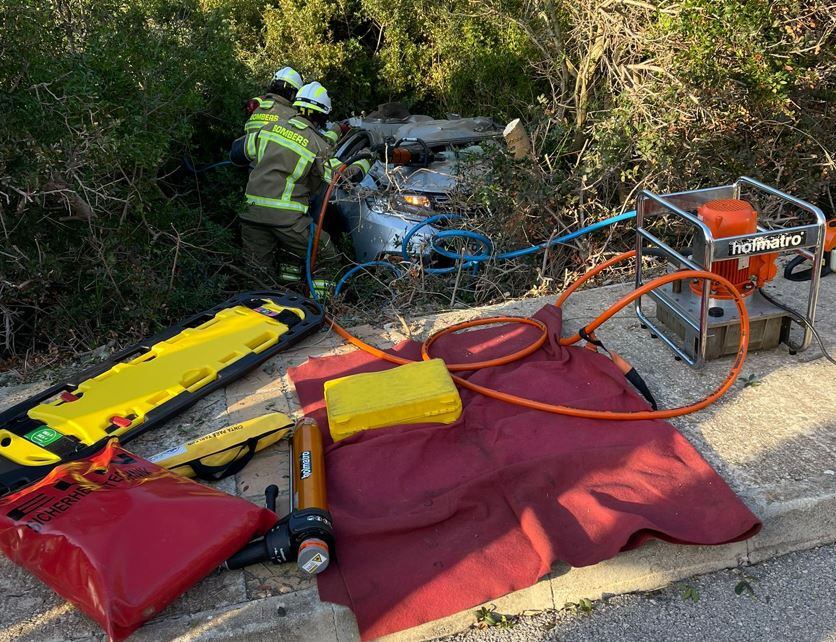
(415, 393)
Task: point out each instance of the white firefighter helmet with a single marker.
(313, 96)
(288, 75)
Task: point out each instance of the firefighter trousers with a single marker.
(285, 242)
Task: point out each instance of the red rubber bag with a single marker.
(120, 537)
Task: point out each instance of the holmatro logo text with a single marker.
(765, 244)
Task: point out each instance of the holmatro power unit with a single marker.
(731, 237)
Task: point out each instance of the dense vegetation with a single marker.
(104, 233)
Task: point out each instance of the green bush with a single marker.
(104, 236)
(101, 231)
(670, 96)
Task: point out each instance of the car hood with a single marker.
(439, 177)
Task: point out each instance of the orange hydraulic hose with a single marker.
(500, 361)
(588, 275)
(334, 178)
(571, 411)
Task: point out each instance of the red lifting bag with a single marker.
(120, 537)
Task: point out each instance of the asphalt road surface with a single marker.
(786, 599)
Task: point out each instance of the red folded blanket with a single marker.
(431, 520)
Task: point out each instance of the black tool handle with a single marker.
(217, 473)
(252, 553)
(271, 493)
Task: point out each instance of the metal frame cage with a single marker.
(807, 240)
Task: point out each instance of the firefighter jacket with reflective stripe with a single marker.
(271, 108)
(291, 163)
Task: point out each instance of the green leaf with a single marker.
(690, 593)
(744, 587)
(488, 617)
(583, 605)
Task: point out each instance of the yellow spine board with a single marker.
(226, 445)
(421, 392)
(129, 391)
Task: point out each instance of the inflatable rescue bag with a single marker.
(120, 537)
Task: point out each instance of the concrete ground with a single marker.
(786, 598)
(772, 438)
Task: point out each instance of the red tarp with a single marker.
(431, 520)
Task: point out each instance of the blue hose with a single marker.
(473, 260)
(466, 261)
(362, 266)
(484, 241)
(513, 254)
(429, 221)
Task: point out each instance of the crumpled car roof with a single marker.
(442, 175)
(434, 131)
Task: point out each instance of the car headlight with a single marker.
(417, 200)
(403, 203)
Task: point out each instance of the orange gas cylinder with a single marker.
(733, 217)
(308, 467)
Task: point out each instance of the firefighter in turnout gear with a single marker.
(291, 164)
(276, 104)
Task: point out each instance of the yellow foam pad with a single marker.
(415, 393)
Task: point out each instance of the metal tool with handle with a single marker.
(304, 535)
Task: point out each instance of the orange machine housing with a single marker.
(734, 217)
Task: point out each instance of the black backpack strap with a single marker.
(216, 473)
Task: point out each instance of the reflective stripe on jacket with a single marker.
(271, 108)
(290, 159)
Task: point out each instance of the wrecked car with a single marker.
(418, 164)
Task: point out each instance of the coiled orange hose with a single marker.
(633, 415)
